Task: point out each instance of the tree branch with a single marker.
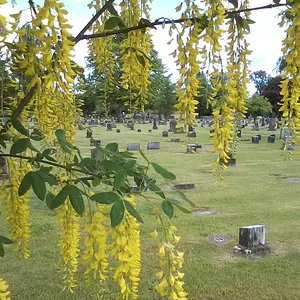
(48, 163)
(93, 19)
(167, 21)
(16, 113)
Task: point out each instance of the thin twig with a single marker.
(158, 22)
(48, 163)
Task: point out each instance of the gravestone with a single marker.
(190, 128)
(239, 133)
(259, 136)
(153, 146)
(139, 130)
(155, 124)
(165, 134)
(263, 122)
(175, 140)
(272, 124)
(109, 127)
(133, 146)
(184, 186)
(98, 141)
(250, 236)
(118, 130)
(271, 139)
(89, 134)
(255, 126)
(192, 134)
(255, 139)
(94, 153)
(150, 130)
(173, 125)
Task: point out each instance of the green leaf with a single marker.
(50, 178)
(38, 185)
(154, 188)
(144, 156)
(5, 240)
(106, 198)
(119, 180)
(96, 181)
(25, 184)
(111, 23)
(49, 199)
(1, 250)
(117, 213)
(19, 146)
(129, 165)
(31, 147)
(112, 10)
(185, 198)
(113, 147)
(163, 172)
(111, 166)
(235, 3)
(76, 199)
(168, 208)
(19, 127)
(88, 162)
(130, 208)
(60, 134)
(61, 138)
(36, 137)
(60, 198)
(181, 208)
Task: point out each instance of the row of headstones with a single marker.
(257, 138)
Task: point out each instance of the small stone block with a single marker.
(239, 133)
(118, 130)
(89, 134)
(185, 186)
(133, 146)
(150, 130)
(259, 136)
(175, 140)
(255, 139)
(165, 134)
(139, 130)
(153, 146)
(271, 139)
(250, 236)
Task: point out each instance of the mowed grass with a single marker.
(255, 194)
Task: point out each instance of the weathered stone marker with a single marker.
(165, 134)
(192, 134)
(173, 125)
(153, 146)
(150, 130)
(259, 136)
(98, 141)
(175, 140)
(271, 139)
(94, 153)
(3, 167)
(118, 130)
(134, 146)
(139, 130)
(239, 133)
(250, 236)
(109, 127)
(255, 139)
(89, 134)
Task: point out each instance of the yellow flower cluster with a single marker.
(15, 208)
(170, 260)
(4, 293)
(125, 249)
(68, 222)
(2, 25)
(290, 84)
(135, 49)
(187, 62)
(95, 255)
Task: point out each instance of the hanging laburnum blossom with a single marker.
(290, 84)
(187, 62)
(125, 249)
(4, 293)
(135, 48)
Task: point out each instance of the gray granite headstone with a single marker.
(153, 146)
(109, 127)
(165, 134)
(89, 134)
(271, 139)
(173, 125)
(175, 140)
(255, 139)
(133, 146)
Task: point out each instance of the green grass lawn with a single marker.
(254, 194)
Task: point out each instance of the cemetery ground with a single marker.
(255, 194)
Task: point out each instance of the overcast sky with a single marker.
(265, 37)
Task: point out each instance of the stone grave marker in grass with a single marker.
(271, 139)
(89, 134)
(239, 133)
(165, 134)
(175, 140)
(118, 131)
(3, 167)
(253, 235)
(109, 127)
(255, 139)
(185, 186)
(192, 134)
(133, 146)
(153, 146)
(139, 130)
(172, 125)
